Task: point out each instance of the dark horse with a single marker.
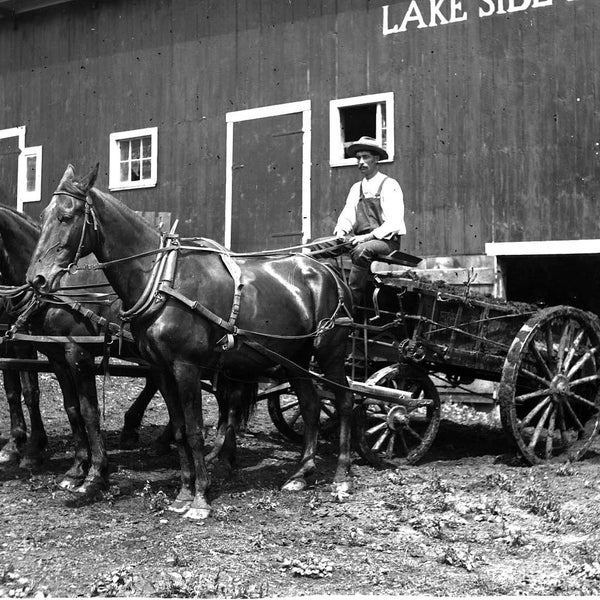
(72, 363)
(13, 264)
(286, 316)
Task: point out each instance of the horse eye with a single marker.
(64, 217)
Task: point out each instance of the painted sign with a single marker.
(431, 13)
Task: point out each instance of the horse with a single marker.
(196, 311)
(72, 363)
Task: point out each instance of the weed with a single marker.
(540, 502)
(113, 584)
(308, 566)
(458, 557)
(156, 502)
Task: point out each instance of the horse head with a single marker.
(69, 231)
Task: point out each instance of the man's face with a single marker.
(367, 163)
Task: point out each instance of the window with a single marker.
(133, 159)
(351, 118)
(30, 175)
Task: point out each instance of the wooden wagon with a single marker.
(544, 360)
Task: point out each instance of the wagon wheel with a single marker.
(284, 410)
(390, 434)
(550, 388)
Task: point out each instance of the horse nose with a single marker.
(39, 282)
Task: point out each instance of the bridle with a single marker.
(89, 218)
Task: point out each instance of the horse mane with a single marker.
(21, 215)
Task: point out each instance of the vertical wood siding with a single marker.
(497, 129)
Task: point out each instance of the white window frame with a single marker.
(114, 182)
(23, 194)
(336, 138)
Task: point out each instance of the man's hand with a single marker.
(359, 239)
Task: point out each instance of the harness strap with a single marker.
(199, 308)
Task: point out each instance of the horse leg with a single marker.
(236, 400)
(38, 440)
(75, 476)
(133, 419)
(189, 389)
(11, 452)
(81, 363)
(170, 391)
(310, 407)
(222, 396)
(330, 353)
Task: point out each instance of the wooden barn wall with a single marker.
(497, 130)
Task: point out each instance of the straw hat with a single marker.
(369, 144)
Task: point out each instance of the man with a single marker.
(373, 215)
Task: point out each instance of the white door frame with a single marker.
(260, 113)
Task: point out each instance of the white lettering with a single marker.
(512, 6)
(386, 28)
(538, 3)
(491, 8)
(437, 14)
(455, 7)
(413, 14)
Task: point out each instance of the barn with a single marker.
(232, 117)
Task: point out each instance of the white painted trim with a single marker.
(18, 132)
(591, 246)
(304, 107)
(22, 194)
(274, 110)
(335, 131)
(114, 182)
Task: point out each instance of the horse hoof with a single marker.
(70, 485)
(180, 506)
(197, 514)
(294, 485)
(8, 457)
(341, 490)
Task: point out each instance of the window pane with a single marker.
(135, 170)
(135, 148)
(146, 147)
(124, 150)
(31, 173)
(124, 172)
(146, 169)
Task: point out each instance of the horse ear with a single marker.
(68, 174)
(86, 183)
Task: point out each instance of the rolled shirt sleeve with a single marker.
(392, 209)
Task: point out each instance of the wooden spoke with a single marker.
(550, 435)
(582, 400)
(573, 349)
(588, 356)
(535, 411)
(541, 360)
(388, 435)
(551, 382)
(539, 427)
(575, 418)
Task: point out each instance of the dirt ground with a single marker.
(471, 519)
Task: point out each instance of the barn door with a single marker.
(9, 170)
(268, 190)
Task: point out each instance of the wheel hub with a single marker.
(560, 384)
(397, 417)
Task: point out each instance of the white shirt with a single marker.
(392, 207)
